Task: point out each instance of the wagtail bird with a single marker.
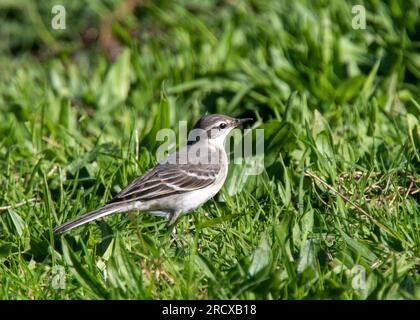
(180, 183)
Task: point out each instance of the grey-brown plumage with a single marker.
(175, 187)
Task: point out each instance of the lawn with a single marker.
(334, 214)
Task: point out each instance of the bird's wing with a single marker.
(168, 179)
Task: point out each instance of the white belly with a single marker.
(192, 200)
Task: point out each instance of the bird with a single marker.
(178, 184)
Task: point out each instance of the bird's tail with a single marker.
(87, 217)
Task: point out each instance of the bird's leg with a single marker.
(171, 224)
(172, 218)
(175, 239)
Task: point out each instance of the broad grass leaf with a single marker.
(307, 257)
(349, 88)
(64, 116)
(117, 83)
(368, 86)
(373, 117)
(413, 63)
(206, 267)
(318, 123)
(236, 179)
(18, 223)
(261, 257)
(215, 221)
(306, 224)
(5, 250)
(413, 127)
(359, 249)
(161, 120)
(277, 135)
(323, 144)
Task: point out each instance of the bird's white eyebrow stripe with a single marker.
(217, 124)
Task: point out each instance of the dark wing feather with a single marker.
(168, 179)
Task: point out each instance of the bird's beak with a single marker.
(243, 120)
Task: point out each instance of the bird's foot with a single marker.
(175, 239)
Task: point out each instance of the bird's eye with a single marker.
(222, 125)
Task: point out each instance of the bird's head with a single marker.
(216, 127)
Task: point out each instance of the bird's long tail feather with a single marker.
(87, 217)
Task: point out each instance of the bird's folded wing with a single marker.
(168, 179)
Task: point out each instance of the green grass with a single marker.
(340, 109)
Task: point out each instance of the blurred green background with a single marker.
(79, 113)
